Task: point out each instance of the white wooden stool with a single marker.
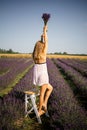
(30, 99)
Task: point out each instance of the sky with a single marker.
(21, 25)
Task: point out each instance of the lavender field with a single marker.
(67, 105)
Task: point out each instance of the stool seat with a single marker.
(29, 92)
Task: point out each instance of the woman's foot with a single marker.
(44, 107)
(41, 112)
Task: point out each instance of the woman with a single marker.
(40, 74)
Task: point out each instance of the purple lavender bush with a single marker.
(16, 67)
(45, 18)
(64, 109)
(79, 80)
(77, 64)
(12, 105)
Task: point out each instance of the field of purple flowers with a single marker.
(66, 113)
(71, 69)
(11, 70)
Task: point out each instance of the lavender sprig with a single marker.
(45, 18)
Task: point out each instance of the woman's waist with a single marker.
(40, 67)
(39, 61)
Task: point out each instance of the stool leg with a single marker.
(33, 98)
(26, 104)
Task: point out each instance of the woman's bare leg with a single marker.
(48, 93)
(42, 93)
(45, 92)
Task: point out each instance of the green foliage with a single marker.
(10, 51)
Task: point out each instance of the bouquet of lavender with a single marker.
(45, 18)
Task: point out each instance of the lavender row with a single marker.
(15, 67)
(82, 62)
(10, 64)
(7, 63)
(79, 66)
(76, 77)
(12, 105)
(64, 109)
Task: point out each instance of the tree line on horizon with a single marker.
(10, 51)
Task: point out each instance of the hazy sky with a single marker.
(21, 25)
